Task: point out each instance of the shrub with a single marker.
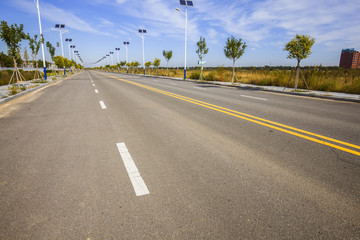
(194, 75)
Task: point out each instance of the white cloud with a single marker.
(329, 21)
(58, 15)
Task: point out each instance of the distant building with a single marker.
(349, 58)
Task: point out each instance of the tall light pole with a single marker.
(107, 59)
(61, 26)
(69, 40)
(73, 54)
(117, 53)
(112, 58)
(127, 60)
(142, 31)
(42, 43)
(185, 3)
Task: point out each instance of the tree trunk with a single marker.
(167, 68)
(297, 75)
(233, 73)
(15, 70)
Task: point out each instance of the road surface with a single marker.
(110, 156)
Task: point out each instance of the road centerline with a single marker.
(96, 91)
(264, 122)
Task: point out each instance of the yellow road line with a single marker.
(254, 119)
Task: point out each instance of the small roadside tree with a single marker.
(201, 51)
(26, 57)
(156, 64)
(51, 50)
(34, 45)
(167, 55)
(135, 64)
(12, 36)
(299, 48)
(233, 50)
(122, 64)
(148, 64)
(59, 61)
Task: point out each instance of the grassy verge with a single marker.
(5, 75)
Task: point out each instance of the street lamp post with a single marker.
(108, 59)
(117, 53)
(61, 26)
(73, 54)
(69, 40)
(127, 60)
(112, 58)
(185, 3)
(42, 43)
(142, 31)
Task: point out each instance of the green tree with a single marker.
(34, 45)
(51, 50)
(5, 60)
(201, 51)
(233, 50)
(26, 57)
(299, 48)
(156, 64)
(122, 63)
(59, 61)
(167, 55)
(148, 64)
(12, 36)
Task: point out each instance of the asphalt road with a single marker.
(110, 156)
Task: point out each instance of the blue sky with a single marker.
(99, 26)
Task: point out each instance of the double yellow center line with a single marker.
(334, 143)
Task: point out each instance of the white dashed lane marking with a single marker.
(133, 172)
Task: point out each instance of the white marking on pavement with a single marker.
(93, 85)
(97, 91)
(200, 88)
(133, 172)
(92, 81)
(102, 104)
(89, 76)
(253, 97)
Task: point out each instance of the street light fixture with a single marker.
(112, 58)
(107, 59)
(185, 3)
(127, 60)
(42, 44)
(117, 53)
(73, 54)
(69, 40)
(61, 26)
(142, 31)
